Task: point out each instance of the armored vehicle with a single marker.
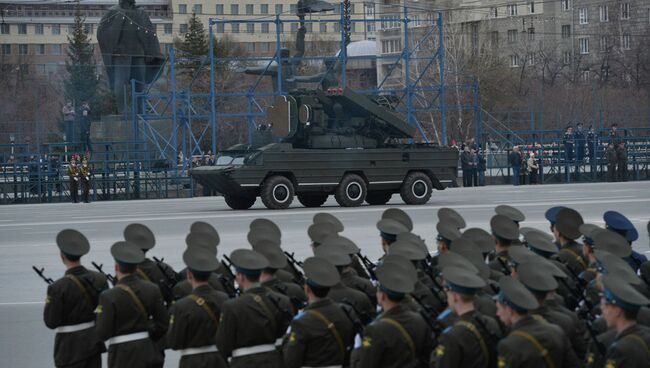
(333, 142)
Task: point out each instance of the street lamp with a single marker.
(12, 139)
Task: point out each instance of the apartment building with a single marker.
(34, 34)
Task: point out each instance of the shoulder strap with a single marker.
(83, 289)
(640, 341)
(537, 345)
(402, 330)
(201, 303)
(470, 326)
(265, 308)
(142, 274)
(331, 327)
(136, 300)
(575, 255)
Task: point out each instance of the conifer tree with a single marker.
(195, 44)
(81, 83)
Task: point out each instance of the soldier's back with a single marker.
(630, 348)
(350, 279)
(355, 299)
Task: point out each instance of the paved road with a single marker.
(27, 234)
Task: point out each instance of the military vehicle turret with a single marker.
(333, 142)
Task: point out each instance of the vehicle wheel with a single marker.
(240, 202)
(378, 198)
(416, 188)
(312, 199)
(277, 192)
(351, 191)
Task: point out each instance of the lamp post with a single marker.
(12, 140)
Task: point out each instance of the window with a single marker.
(278, 9)
(22, 49)
(530, 58)
(514, 61)
(219, 10)
(265, 47)
(512, 35)
(494, 38)
(603, 44)
(371, 27)
(250, 28)
(310, 27)
(6, 49)
(494, 12)
(56, 29)
(234, 9)
(88, 28)
(294, 27)
(182, 8)
(585, 75)
(337, 27)
(390, 22)
(567, 57)
(566, 30)
(4, 28)
(512, 10)
(265, 27)
(323, 27)
(56, 49)
(249, 9)
(235, 28)
(584, 16)
(183, 29)
(566, 5)
(531, 34)
(626, 41)
(197, 9)
(293, 9)
(70, 28)
(264, 9)
(584, 45)
(221, 28)
(168, 28)
(531, 7)
(250, 46)
(40, 49)
(625, 11)
(22, 29)
(391, 46)
(38, 29)
(604, 13)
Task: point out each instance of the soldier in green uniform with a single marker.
(531, 342)
(447, 233)
(131, 317)
(400, 216)
(510, 212)
(73, 174)
(399, 337)
(451, 216)
(322, 334)
(194, 318)
(70, 303)
(566, 230)
(277, 261)
(149, 270)
(329, 218)
(200, 227)
(388, 230)
(620, 304)
(337, 255)
(471, 341)
(505, 231)
(265, 229)
(250, 325)
(216, 280)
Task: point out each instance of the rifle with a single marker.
(362, 318)
(584, 312)
(368, 265)
(504, 266)
(47, 280)
(436, 290)
(108, 276)
(169, 281)
(426, 312)
(294, 264)
(226, 281)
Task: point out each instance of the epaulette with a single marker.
(444, 314)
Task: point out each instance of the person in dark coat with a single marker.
(592, 144)
(621, 161)
(611, 156)
(481, 168)
(568, 140)
(474, 167)
(515, 160)
(466, 165)
(579, 141)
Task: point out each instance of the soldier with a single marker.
(338, 228)
(84, 174)
(266, 230)
(611, 156)
(194, 318)
(620, 224)
(322, 334)
(73, 174)
(579, 137)
(568, 142)
(277, 260)
(466, 165)
(471, 341)
(621, 161)
(614, 136)
(531, 342)
(156, 271)
(131, 317)
(451, 216)
(551, 216)
(319, 231)
(250, 325)
(337, 255)
(447, 233)
(70, 304)
(399, 216)
(398, 337)
(388, 230)
(620, 304)
(513, 214)
(566, 230)
(505, 231)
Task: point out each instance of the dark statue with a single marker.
(130, 48)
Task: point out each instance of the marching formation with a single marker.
(513, 297)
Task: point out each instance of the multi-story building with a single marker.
(34, 34)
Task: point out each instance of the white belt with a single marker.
(75, 328)
(127, 338)
(199, 350)
(253, 350)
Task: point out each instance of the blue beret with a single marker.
(617, 221)
(551, 213)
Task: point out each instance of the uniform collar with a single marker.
(319, 303)
(203, 289)
(76, 270)
(628, 331)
